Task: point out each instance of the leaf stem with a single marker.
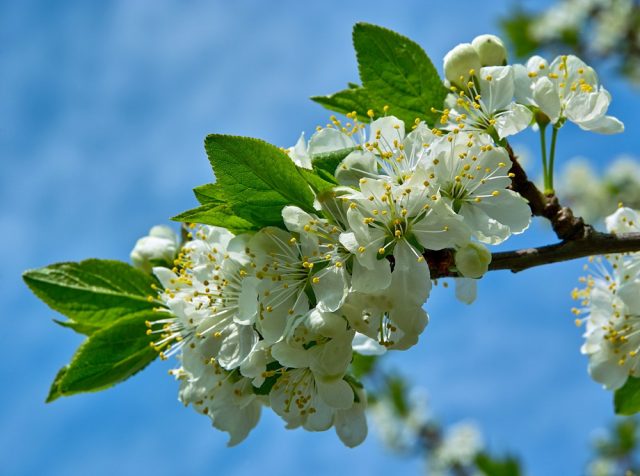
(543, 151)
(554, 135)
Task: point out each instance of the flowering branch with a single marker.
(564, 223)
(595, 243)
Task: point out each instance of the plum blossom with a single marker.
(566, 89)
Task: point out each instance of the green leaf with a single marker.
(216, 214)
(257, 179)
(363, 365)
(54, 392)
(349, 100)
(626, 400)
(396, 71)
(329, 161)
(492, 466)
(209, 193)
(92, 293)
(319, 180)
(110, 355)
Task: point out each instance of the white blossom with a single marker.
(486, 104)
(206, 297)
(610, 301)
(473, 177)
(567, 89)
(159, 247)
(223, 396)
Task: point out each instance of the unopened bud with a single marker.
(159, 248)
(459, 62)
(491, 50)
(472, 261)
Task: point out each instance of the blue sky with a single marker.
(104, 107)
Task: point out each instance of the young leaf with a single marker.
(398, 72)
(626, 400)
(329, 161)
(216, 214)
(319, 180)
(110, 355)
(209, 193)
(256, 178)
(92, 293)
(349, 100)
(54, 393)
(507, 466)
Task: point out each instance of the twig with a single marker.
(564, 223)
(594, 244)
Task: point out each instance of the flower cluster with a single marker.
(610, 303)
(272, 318)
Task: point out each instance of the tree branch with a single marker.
(579, 240)
(564, 223)
(594, 243)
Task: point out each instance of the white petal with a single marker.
(238, 422)
(299, 155)
(331, 289)
(523, 90)
(466, 290)
(327, 324)
(605, 369)
(356, 165)
(335, 392)
(332, 358)
(623, 220)
(508, 208)
(290, 356)
(390, 128)
(248, 301)
(368, 280)
(515, 119)
(546, 96)
(485, 228)
(321, 419)
(603, 125)
(329, 140)
(365, 345)
(436, 232)
(165, 276)
(236, 346)
(295, 218)
(411, 281)
(351, 425)
(497, 93)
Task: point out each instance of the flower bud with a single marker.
(459, 62)
(159, 248)
(491, 50)
(472, 261)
